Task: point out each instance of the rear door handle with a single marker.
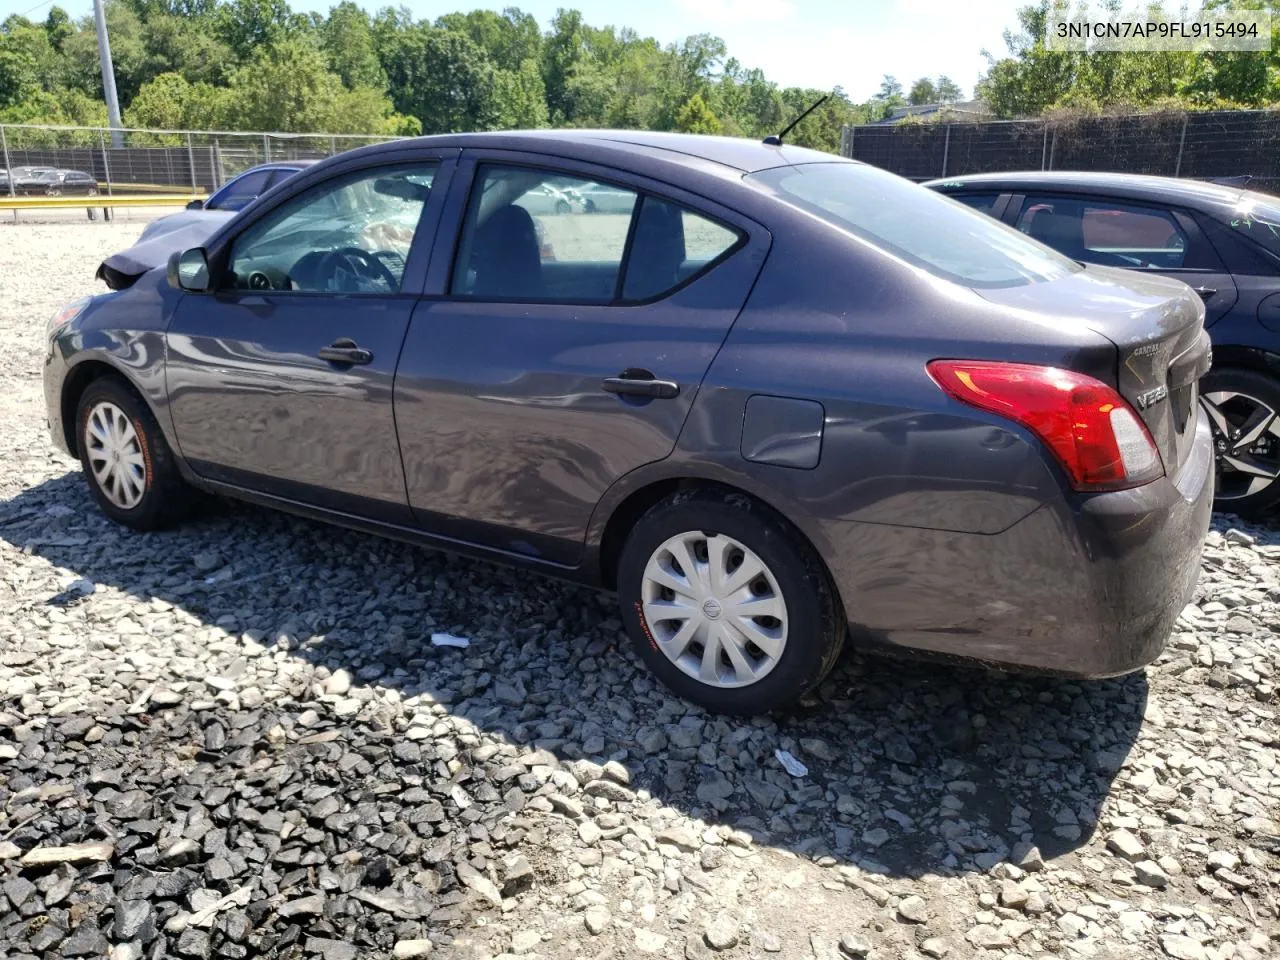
(641, 383)
(1205, 292)
(344, 350)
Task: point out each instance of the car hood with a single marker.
(164, 238)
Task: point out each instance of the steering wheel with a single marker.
(361, 264)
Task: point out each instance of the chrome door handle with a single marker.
(345, 351)
(640, 383)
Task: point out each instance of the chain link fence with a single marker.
(132, 162)
(1242, 146)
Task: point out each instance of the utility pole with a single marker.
(108, 75)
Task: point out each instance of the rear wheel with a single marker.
(1242, 406)
(126, 460)
(727, 604)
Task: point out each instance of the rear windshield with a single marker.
(928, 230)
(1257, 216)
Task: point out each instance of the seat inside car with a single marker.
(658, 250)
(1062, 231)
(506, 258)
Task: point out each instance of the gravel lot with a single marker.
(236, 739)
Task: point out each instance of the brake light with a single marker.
(1088, 426)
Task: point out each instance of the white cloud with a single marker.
(739, 11)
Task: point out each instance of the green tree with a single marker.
(58, 26)
(923, 91)
(25, 57)
(250, 27)
(129, 54)
(508, 39)
(347, 39)
(696, 117)
(187, 46)
(948, 90)
(521, 97)
(161, 103)
(444, 79)
(289, 88)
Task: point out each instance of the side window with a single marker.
(350, 234)
(670, 245)
(1111, 234)
(982, 202)
(279, 176)
(531, 235)
(239, 193)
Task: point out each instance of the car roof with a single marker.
(744, 155)
(1121, 185)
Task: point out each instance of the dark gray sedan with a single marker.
(778, 396)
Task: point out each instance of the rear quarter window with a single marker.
(914, 223)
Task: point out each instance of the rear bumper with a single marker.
(1089, 586)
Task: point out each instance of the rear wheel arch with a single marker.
(1250, 358)
(636, 504)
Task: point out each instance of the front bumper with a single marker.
(1089, 586)
(55, 374)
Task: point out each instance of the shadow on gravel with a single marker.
(912, 768)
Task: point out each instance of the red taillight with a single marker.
(1090, 428)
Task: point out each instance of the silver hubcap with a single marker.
(1246, 436)
(115, 455)
(714, 609)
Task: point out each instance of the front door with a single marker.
(562, 349)
(281, 380)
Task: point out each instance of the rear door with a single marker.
(559, 349)
(1134, 236)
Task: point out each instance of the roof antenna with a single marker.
(776, 140)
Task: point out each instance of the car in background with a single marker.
(606, 198)
(553, 198)
(32, 181)
(177, 231)
(787, 393)
(72, 183)
(233, 196)
(53, 182)
(1222, 240)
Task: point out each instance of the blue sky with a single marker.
(817, 43)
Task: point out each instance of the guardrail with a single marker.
(100, 200)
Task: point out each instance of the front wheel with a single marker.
(126, 460)
(727, 604)
(1242, 407)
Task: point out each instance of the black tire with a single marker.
(1249, 386)
(816, 624)
(165, 495)
(590, 206)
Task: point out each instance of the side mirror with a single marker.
(189, 270)
(195, 205)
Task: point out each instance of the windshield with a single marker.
(1257, 216)
(928, 230)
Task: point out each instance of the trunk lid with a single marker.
(1157, 327)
